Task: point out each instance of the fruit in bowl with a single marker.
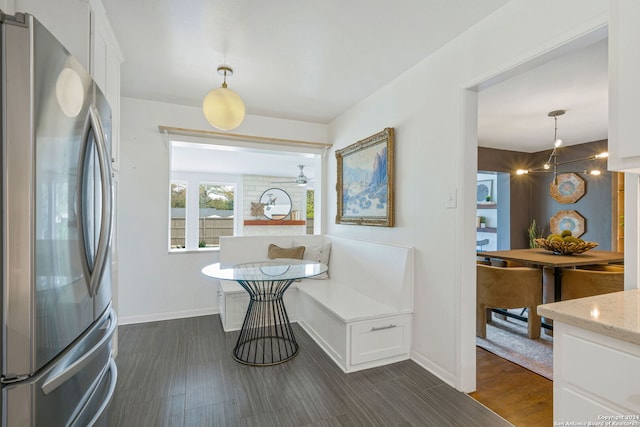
(565, 244)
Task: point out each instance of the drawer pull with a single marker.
(374, 329)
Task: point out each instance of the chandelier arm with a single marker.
(551, 156)
(539, 170)
(578, 160)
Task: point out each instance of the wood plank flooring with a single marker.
(522, 397)
(180, 373)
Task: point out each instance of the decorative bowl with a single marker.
(565, 248)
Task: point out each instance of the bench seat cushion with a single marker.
(345, 303)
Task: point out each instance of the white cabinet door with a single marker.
(380, 339)
(106, 58)
(624, 85)
(594, 376)
(68, 20)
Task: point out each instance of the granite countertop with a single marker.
(616, 315)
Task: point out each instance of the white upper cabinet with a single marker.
(105, 61)
(106, 56)
(624, 85)
(68, 20)
(83, 28)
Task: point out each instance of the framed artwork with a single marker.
(570, 188)
(365, 181)
(568, 220)
(484, 190)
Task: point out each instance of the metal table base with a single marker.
(266, 337)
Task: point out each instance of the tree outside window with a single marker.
(216, 213)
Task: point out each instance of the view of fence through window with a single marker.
(178, 210)
(216, 214)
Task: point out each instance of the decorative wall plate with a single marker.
(484, 190)
(568, 220)
(570, 188)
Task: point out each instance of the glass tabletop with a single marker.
(277, 269)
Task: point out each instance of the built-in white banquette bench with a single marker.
(360, 315)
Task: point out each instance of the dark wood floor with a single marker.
(522, 397)
(180, 373)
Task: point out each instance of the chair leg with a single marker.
(534, 323)
(481, 321)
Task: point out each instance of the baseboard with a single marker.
(376, 363)
(436, 370)
(129, 320)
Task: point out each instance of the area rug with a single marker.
(508, 339)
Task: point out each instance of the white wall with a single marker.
(435, 133)
(154, 284)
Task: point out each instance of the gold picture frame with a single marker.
(365, 181)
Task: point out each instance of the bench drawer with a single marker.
(380, 339)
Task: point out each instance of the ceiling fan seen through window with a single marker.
(301, 179)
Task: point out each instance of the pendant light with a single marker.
(222, 107)
(551, 165)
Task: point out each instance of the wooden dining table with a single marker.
(542, 258)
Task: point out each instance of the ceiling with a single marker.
(303, 60)
(312, 61)
(513, 115)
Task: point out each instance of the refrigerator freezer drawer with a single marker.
(73, 389)
(93, 413)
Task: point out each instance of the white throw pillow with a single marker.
(319, 254)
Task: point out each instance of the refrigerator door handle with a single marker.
(59, 377)
(113, 370)
(104, 237)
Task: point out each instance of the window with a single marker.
(178, 216)
(202, 208)
(215, 213)
(212, 186)
(310, 210)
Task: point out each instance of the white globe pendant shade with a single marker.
(222, 107)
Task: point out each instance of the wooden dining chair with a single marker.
(584, 281)
(500, 287)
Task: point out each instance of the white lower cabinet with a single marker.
(232, 305)
(596, 378)
(380, 339)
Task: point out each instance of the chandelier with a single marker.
(551, 165)
(222, 107)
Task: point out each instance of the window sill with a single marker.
(193, 251)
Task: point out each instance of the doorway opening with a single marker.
(500, 124)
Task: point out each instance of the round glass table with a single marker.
(266, 337)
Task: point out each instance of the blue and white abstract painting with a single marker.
(364, 182)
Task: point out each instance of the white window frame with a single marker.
(186, 208)
(192, 212)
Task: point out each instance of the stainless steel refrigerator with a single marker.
(57, 319)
